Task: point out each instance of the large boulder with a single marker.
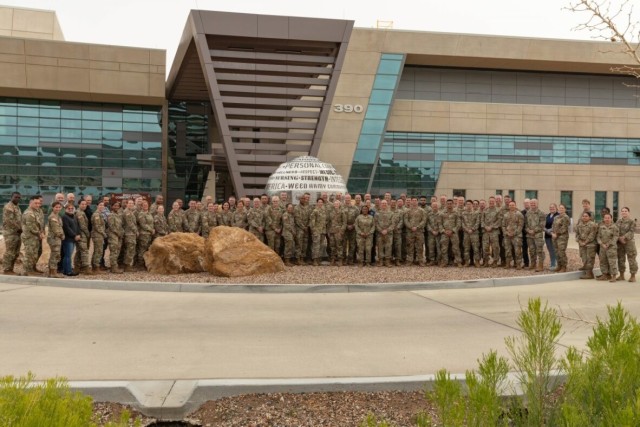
(176, 253)
(233, 252)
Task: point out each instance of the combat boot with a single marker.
(129, 269)
(398, 262)
(339, 262)
(361, 264)
(116, 270)
(540, 267)
(632, 278)
(613, 279)
(519, 267)
(620, 278)
(287, 262)
(9, 272)
(31, 273)
(476, 264)
(587, 275)
(332, 262)
(96, 271)
(88, 271)
(603, 277)
(422, 264)
(532, 266)
(562, 269)
(409, 263)
(316, 263)
(53, 272)
(378, 262)
(300, 261)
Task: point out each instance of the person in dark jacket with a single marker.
(553, 212)
(71, 236)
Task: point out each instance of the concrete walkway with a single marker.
(169, 351)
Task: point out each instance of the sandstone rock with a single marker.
(233, 252)
(176, 253)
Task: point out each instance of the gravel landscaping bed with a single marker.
(339, 409)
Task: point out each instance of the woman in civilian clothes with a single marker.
(553, 212)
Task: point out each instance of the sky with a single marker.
(159, 23)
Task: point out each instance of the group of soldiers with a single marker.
(363, 231)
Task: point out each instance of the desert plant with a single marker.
(484, 390)
(372, 421)
(448, 398)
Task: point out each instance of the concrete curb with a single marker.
(173, 400)
(277, 289)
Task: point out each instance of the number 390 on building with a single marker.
(348, 108)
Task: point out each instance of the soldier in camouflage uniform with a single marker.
(397, 209)
(534, 227)
(153, 209)
(54, 239)
(191, 222)
(318, 227)
(302, 213)
(512, 224)
(98, 235)
(289, 234)
(226, 216)
(81, 260)
(239, 218)
(384, 224)
(434, 224)
(627, 245)
(365, 228)
(160, 224)
(560, 237)
(175, 219)
(449, 235)
(273, 224)
(209, 219)
(491, 222)
(116, 234)
(146, 229)
(32, 235)
(470, 223)
(586, 234)
(130, 225)
(337, 224)
(349, 240)
(608, 235)
(415, 220)
(11, 231)
(256, 219)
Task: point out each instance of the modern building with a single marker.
(400, 111)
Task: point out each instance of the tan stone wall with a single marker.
(481, 180)
(29, 23)
(81, 72)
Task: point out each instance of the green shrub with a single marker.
(372, 421)
(25, 403)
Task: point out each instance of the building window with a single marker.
(566, 198)
(460, 193)
(616, 205)
(601, 202)
(512, 194)
(530, 194)
(498, 192)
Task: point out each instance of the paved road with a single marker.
(129, 335)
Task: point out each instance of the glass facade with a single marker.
(566, 199)
(48, 147)
(518, 87)
(188, 136)
(411, 162)
(375, 121)
(616, 205)
(530, 194)
(600, 202)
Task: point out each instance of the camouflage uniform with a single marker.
(302, 213)
(226, 218)
(191, 221)
(175, 221)
(54, 239)
(561, 228)
(364, 225)
(415, 217)
(239, 219)
(626, 228)
(384, 221)
(98, 234)
(11, 230)
(512, 224)
(490, 221)
(534, 225)
(145, 235)
(470, 220)
(608, 235)
(273, 222)
(153, 209)
(288, 234)
(398, 230)
(31, 230)
(209, 221)
(434, 224)
(256, 220)
(337, 220)
(130, 225)
(349, 241)
(160, 225)
(449, 235)
(586, 234)
(81, 258)
(115, 233)
(318, 226)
